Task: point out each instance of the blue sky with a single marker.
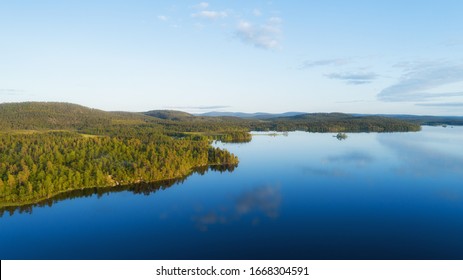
(272, 56)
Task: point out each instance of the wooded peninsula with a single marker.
(48, 148)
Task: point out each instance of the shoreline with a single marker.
(3, 206)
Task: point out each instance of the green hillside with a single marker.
(55, 115)
(168, 114)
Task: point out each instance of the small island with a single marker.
(341, 136)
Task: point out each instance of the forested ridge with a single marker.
(53, 115)
(339, 122)
(47, 148)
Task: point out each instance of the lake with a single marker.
(294, 196)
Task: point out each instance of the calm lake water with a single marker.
(300, 196)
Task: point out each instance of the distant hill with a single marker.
(168, 114)
(57, 115)
(424, 120)
(319, 116)
(417, 119)
(259, 115)
(430, 120)
(66, 116)
(341, 122)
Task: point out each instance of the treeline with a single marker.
(39, 165)
(65, 116)
(336, 122)
(229, 127)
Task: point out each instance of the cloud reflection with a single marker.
(322, 171)
(338, 165)
(264, 201)
(425, 156)
(358, 158)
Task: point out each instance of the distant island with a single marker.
(341, 136)
(48, 148)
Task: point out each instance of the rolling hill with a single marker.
(57, 115)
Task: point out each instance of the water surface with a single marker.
(300, 196)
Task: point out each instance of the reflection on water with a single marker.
(324, 171)
(255, 204)
(358, 158)
(338, 165)
(266, 199)
(427, 155)
(140, 188)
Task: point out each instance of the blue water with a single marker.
(300, 196)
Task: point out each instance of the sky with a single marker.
(388, 57)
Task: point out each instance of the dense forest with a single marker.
(50, 148)
(39, 165)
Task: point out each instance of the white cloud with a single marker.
(324, 62)
(275, 20)
(445, 104)
(163, 18)
(256, 12)
(212, 15)
(266, 36)
(202, 5)
(420, 79)
(354, 78)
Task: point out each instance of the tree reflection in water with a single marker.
(140, 188)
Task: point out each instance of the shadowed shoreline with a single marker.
(145, 188)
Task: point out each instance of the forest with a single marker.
(49, 148)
